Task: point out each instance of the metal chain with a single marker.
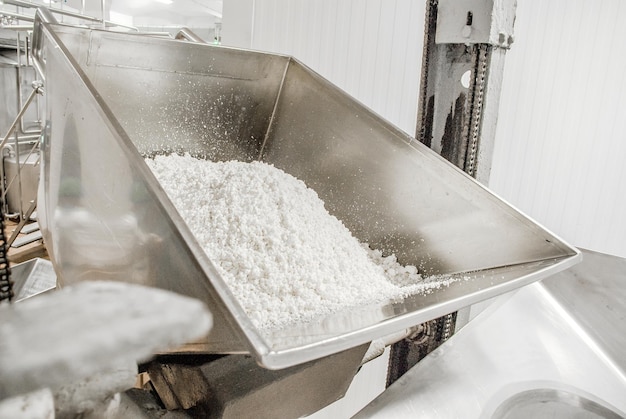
(449, 321)
(431, 19)
(477, 89)
(6, 285)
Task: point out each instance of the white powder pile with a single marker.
(284, 257)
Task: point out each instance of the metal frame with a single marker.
(27, 4)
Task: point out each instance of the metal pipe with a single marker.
(102, 5)
(189, 35)
(17, 27)
(42, 16)
(19, 87)
(23, 221)
(27, 49)
(18, 16)
(26, 138)
(18, 175)
(157, 34)
(27, 4)
(36, 89)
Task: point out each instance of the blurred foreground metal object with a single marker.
(113, 99)
(83, 343)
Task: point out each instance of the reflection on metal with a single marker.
(20, 125)
(555, 404)
(115, 98)
(187, 34)
(33, 277)
(234, 386)
(20, 176)
(556, 345)
(19, 165)
(24, 219)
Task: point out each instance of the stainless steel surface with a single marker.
(32, 277)
(554, 404)
(60, 11)
(187, 34)
(594, 293)
(114, 98)
(559, 341)
(234, 386)
(15, 82)
(21, 176)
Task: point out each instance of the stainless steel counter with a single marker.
(552, 349)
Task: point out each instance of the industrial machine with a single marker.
(113, 99)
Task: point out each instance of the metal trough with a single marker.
(114, 98)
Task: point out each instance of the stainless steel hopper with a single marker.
(114, 98)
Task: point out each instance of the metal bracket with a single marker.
(476, 22)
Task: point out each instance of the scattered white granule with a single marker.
(283, 256)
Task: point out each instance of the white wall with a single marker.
(237, 17)
(370, 48)
(560, 146)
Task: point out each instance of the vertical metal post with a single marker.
(463, 39)
(102, 4)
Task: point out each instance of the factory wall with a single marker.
(561, 144)
(560, 147)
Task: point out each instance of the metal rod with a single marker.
(27, 4)
(17, 27)
(19, 86)
(46, 16)
(189, 35)
(18, 175)
(104, 25)
(18, 16)
(42, 16)
(22, 223)
(36, 90)
(27, 49)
